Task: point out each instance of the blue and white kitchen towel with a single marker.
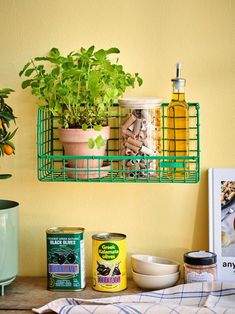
(200, 298)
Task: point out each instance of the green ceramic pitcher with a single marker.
(8, 242)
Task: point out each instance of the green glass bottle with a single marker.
(178, 127)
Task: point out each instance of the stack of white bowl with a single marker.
(153, 272)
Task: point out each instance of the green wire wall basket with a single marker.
(52, 163)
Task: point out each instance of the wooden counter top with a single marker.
(26, 293)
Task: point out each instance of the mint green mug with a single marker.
(8, 242)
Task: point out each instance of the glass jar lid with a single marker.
(140, 102)
(200, 258)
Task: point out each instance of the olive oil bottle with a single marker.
(178, 128)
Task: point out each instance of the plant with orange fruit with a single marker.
(6, 117)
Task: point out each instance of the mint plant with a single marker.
(79, 88)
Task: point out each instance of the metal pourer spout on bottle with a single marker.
(178, 81)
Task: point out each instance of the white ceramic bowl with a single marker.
(150, 282)
(153, 265)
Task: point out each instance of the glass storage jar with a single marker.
(140, 135)
(200, 266)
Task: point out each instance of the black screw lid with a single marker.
(200, 258)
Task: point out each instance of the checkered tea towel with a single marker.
(200, 298)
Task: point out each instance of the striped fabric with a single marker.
(200, 298)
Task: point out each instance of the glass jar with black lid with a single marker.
(200, 266)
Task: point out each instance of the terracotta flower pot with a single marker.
(75, 143)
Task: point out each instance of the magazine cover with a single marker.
(222, 220)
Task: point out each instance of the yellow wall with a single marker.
(159, 219)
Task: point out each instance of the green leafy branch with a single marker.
(7, 116)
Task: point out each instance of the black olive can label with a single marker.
(109, 262)
(65, 259)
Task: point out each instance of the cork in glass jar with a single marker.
(140, 135)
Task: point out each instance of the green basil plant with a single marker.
(79, 88)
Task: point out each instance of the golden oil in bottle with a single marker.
(178, 129)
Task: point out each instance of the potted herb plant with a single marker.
(8, 209)
(79, 89)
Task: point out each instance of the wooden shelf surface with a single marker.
(26, 293)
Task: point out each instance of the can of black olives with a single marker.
(109, 262)
(65, 258)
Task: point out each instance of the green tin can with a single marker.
(65, 258)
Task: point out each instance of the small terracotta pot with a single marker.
(75, 143)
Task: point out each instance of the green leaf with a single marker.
(11, 135)
(29, 72)
(100, 54)
(62, 90)
(41, 59)
(55, 72)
(5, 92)
(112, 50)
(5, 176)
(35, 85)
(1, 150)
(97, 127)
(67, 65)
(139, 80)
(99, 141)
(54, 53)
(26, 84)
(24, 68)
(84, 127)
(83, 50)
(93, 81)
(90, 51)
(91, 143)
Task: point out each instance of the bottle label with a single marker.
(199, 277)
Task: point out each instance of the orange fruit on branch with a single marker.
(8, 149)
